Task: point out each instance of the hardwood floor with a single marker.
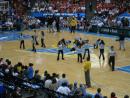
(101, 76)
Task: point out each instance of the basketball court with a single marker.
(45, 59)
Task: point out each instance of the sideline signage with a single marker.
(111, 30)
(42, 14)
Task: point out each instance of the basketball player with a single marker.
(22, 45)
(42, 39)
(60, 49)
(112, 55)
(33, 44)
(101, 46)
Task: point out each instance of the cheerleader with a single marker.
(36, 37)
(22, 45)
(112, 55)
(61, 45)
(79, 54)
(97, 43)
(86, 49)
(101, 46)
(33, 44)
(42, 39)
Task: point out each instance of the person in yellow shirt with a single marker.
(87, 67)
(19, 67)
(73, 24)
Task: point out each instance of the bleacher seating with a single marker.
(12, 81)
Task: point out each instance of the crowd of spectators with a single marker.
(14, 14)
(109, 12)
(50, 81)
(104, 15)
(66, 6)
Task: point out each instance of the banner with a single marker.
(111, 30)
(42, 14)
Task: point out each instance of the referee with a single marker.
(112, 55)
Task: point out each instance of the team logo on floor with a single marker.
(124, 69)
(67, 51)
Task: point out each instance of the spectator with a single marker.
(83, 90)
(45, 75)
(10, 74)
(37, 76)
(25, 72)
(98, 93)
(126, 96)
(53, 85)
(113, 95)
(48, 81)
(57, 77)
(122, 41)
(64, 89)
(17, 93)
(15, 73)
(97, 96)
(9, 64)
(58, 24)
(1, 61)
(74, 88)
(19, 67)
(30, 71)
(63, 80)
